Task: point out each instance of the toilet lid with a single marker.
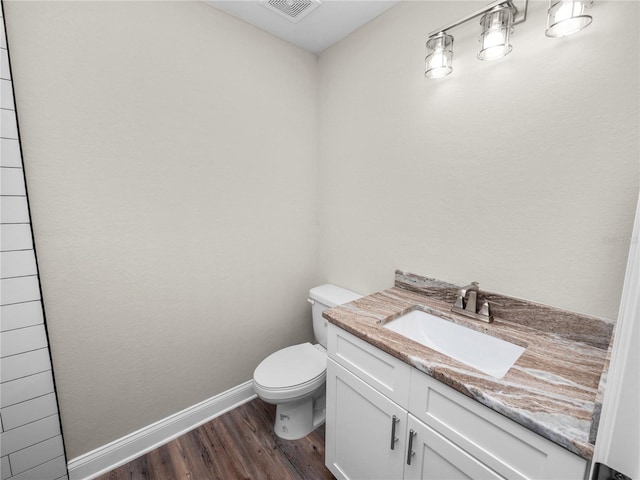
(291, 366)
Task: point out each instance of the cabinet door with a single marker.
(434, 457)
(359, 427)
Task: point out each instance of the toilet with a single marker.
(293, 378)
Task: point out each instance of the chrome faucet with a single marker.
(467, 304)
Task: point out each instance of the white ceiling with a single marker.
(332, 21)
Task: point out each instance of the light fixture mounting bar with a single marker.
(519, 8)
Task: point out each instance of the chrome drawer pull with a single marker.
(394, 439)
(410, 452)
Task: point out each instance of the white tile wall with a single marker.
(24, 364)
(29, 411)
(37, 454)
(11, 181)
(4, 65)
(31, 446)
(8, 125)
(26, 435)
(15, 342)
(14, 209)
(6, 95)
(10, 153)
(52, 469)
(25, 388)
(19, 289)
(15, 236)
(20, 315)
(18, 263)
(5, 468)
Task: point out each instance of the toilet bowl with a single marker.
(293, 378)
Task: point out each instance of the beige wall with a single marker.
(170, 154)
(520, 173)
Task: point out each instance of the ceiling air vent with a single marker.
(292, 10)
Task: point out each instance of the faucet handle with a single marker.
(484, 309)
(474, 286)
(459, 301)
(472, 301)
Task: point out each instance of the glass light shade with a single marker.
(496, 31)
(565, 17)
(439, 56)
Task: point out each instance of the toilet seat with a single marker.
(291, 372)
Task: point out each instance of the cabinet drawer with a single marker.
(382, 371)
(506, 447)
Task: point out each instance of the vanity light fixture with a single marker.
(497, 20)
(439, 56)
(496, 30)
(566, 17)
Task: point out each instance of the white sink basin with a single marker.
(488, 354)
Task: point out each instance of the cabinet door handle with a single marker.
(394, 439)
(410, 452)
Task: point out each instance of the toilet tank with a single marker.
(323, 297)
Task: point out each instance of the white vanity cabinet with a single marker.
(387, 420)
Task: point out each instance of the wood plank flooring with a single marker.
(237, 445)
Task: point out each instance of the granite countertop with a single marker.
(554, 389)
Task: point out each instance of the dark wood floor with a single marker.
(237, 445)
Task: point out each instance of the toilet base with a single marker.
(297, 419)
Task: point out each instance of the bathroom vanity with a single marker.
(398, 409)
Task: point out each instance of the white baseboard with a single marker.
(121, 451)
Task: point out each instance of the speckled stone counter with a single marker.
(554, 388)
